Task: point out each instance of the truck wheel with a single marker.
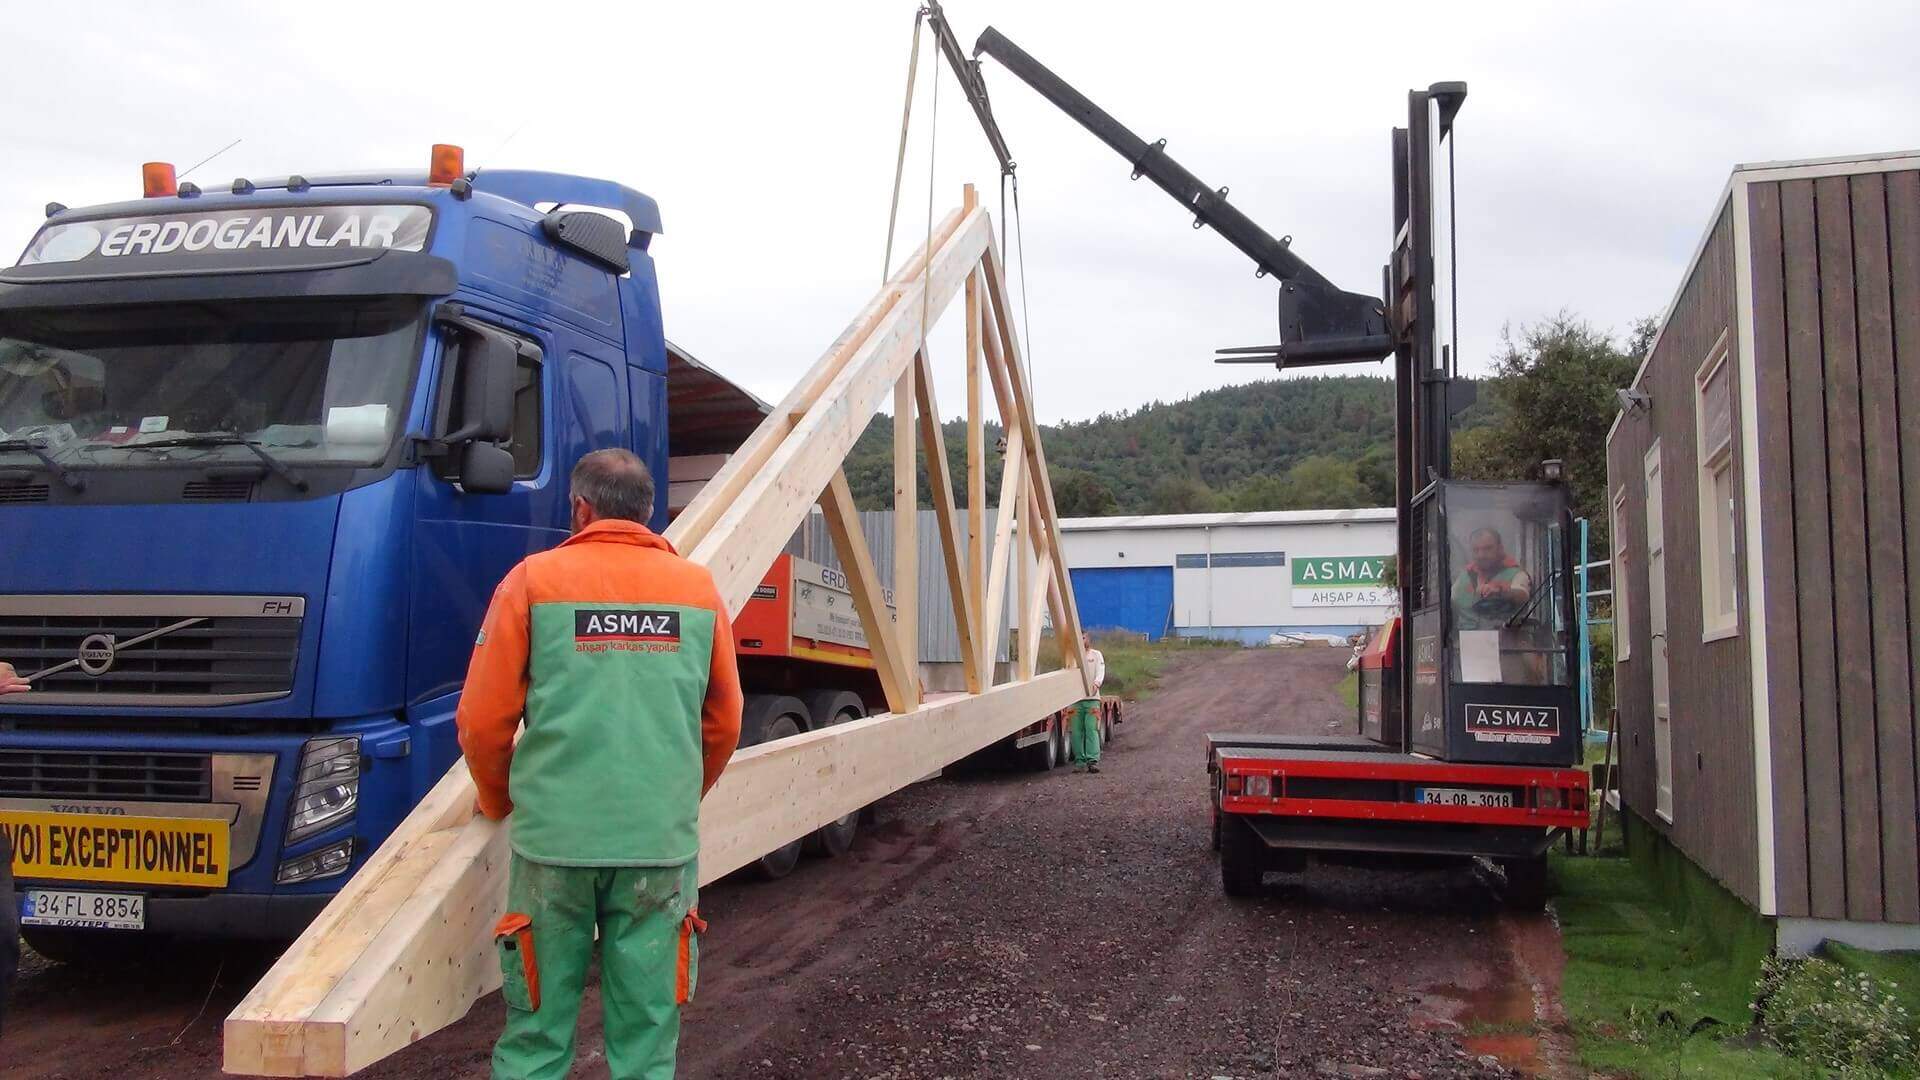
(1526, 883)
(765, 718)
(830, 707)
(1243, 858)
(1043, 755)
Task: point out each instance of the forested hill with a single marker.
(1279, 444)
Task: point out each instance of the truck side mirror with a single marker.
(485, 469)
(486, 365)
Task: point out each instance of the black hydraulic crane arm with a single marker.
(1319, 323)
(968, 73)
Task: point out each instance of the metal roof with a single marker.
(1220, 521)
(707, 413)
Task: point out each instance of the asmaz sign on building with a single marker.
(1336, 581)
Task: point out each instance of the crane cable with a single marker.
(900, 159)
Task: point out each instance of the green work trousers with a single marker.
(1085, 730)
(648, 960)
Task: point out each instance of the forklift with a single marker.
(1467, 731)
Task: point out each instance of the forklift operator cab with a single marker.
(1491, 623)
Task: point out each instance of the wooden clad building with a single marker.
(1764, 479)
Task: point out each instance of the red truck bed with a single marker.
(1276, 798)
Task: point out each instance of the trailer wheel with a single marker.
(1213, 811)
(1526, 883)
(1044, 755)
(765, 718)
(1243, 858)
(1106, 723)
(830, 707)
(1063, 755)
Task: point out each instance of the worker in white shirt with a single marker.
(1085, 727)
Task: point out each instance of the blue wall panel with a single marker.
(1136, 598)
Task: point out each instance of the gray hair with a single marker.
(616, 483)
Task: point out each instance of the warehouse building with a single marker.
(1235, 577)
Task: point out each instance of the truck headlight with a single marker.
(329, 861)
(328, 787)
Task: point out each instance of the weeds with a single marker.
(1836, 1019)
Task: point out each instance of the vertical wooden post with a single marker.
(976, 466)
(906, 540)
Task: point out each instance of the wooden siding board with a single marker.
(1827, 862)
(1886, 552)
(1903, 234)
(1850, 593)
(1714, 800)
(1780, 622)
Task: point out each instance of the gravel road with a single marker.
(999, 924)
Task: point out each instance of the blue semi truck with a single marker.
(265, 451)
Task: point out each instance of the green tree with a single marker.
(1078, 493)
(1182, 495)
(1263, 492)
(1552, 396)
(1375, 473)
(1324, 482)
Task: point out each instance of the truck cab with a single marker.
(264, 453)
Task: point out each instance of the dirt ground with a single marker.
(999, 924)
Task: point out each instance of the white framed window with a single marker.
(1713, 429)
(1617, 577)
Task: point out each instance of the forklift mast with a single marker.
(1483, 652)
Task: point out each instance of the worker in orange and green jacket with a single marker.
(1084, 729)
(619, 654)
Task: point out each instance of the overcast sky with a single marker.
(1594, 143)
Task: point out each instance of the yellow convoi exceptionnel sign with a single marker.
(128, 850)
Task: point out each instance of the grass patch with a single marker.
(1650, 994)
(1349, 690)
(1661, 982)
(1134, 664)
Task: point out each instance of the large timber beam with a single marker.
(405, 948)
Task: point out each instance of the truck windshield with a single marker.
(309, 381)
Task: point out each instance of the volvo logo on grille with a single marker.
(96, 654)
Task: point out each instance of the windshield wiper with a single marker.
(38, 448)
(280, 468)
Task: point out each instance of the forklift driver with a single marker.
(1493, 587)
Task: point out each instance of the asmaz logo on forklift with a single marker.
(1513, 723)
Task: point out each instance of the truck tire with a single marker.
(1243, 858)
(764, 718)
(1527, 885)
(1044, 755)
(827, 708)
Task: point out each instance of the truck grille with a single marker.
(206, 650)
(42, 774)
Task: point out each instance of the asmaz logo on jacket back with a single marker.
(595, 630)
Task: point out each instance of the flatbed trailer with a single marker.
(1277, 806)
